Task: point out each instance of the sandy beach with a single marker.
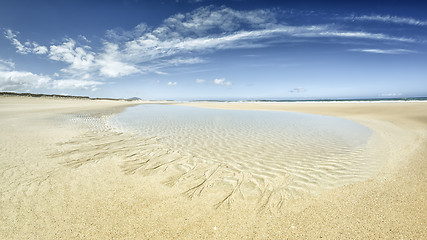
(66, 175)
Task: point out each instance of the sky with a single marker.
(206, 49)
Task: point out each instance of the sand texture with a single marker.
(65, 174)
(264, 158)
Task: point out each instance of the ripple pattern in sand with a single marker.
(262, 157)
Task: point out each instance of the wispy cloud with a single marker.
(358, 34)
(298, 90)
(384, 51)
(82, 37)
(111, 63)
(182, 61)
(195, 1)
(78, 58)
(390, 19)
(183, 39)
(172, 83)
(27, 47)
(6, 65)
(222, 82)
(120, 35)
(217, 81)
(150, 46)
(15, 80)
(210, 19)
(205, 29)
(390, 94)
(22, 81)
(208, 29)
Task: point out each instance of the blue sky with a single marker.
(203, 49)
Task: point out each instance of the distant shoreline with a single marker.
(60, 96)
(319, 100)
(408, 99)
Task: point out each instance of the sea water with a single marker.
(256, 150)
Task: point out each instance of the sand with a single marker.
(65, 174)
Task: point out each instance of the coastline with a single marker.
(99, 201)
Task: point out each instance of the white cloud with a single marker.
(26, 48)
(39, 49)
(172, 83)
(350, 34)
(19, 46)
(36, 48)
(14, 80)
(204, 29)
(390, 19)
(221, 81)
(110, 62)
(384, 51)
(84, 38)
(84, 63)
(119, 34)
(6, 65)
(180, 39)
(22, 80)
(217, 81)
(210, 28)
(78, 58)
(212, 19)
(27, 81)
(181, 61)
(298, 90)
(151, 47)
(81, 61)
(162, 42)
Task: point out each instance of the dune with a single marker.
(65, 173)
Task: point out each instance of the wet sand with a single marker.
(240, 156)
(64, 174)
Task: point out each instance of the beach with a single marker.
(66, 174)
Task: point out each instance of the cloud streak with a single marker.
(6, 65)
(22, 81)
(27, 47)
(390, 94)
(111, 64)
(383, 51)
(78, 58)
(298, 90)
(157, 44)
(15, 80)
(182, 39)
(390, 19)
(202, 30)
(222, 82)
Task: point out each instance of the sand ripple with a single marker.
(262, 158)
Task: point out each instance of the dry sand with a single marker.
(65, 175)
